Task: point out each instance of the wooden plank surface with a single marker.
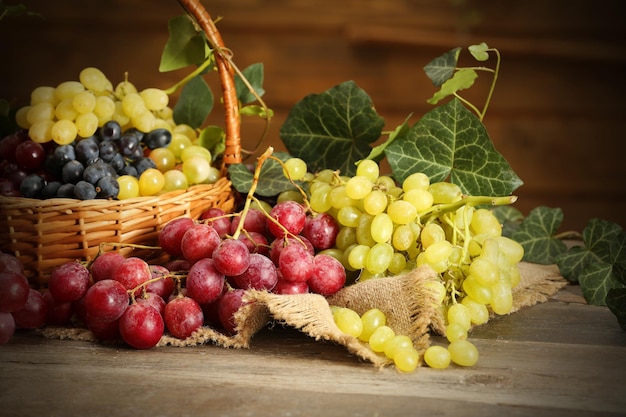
(558, 358)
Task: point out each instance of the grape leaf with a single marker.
(450, 141)
(194, 103)
(461, 80)
(595, 282)
(272, 180)
(254, 75)
(184, 47)
(573, 262)
(479, 52)
(617, 254)
(333, 129)
(214, 139)
(378, 152)
(616, 302)
(536, 235)
(598, 236)
(440, 69)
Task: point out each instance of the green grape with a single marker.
(144, 121)
(375, 202)
(124, 88)
(380, 337)
(372, 319)
(133, 105)
(463, 216)
(94, 79)
(485, 272)
(502, 301)
(196, 150)
(261, 205)
(40, 112)
(490, 250)
(358, 256)
(345, 237)
(104, 109)
(403, 237)
(84, 102)
(163, 124)
(478, 292)
(290, 195)
(119, 115)
(479, 314)
(406, 359)
(334, 252)
(445, 192)
(358, 187)
(163, 158)
(68, 89)
(174, 180)
(364, 275)
(178, 143)
(401, 212)
(457, 313)
(86, 124)
(368, 169)
(364, 230)
(432, 233)
(381, 228)
(438, 252)
(129, 187)
(385, 182)
(21, 117)
(296, 168)
(348, 321)
(65, 110)
(437, 357)
(349, 216)
(515, 275)
(416, 181)
(397, 342)
(339, 197)
(151, 182)
(455, 331)
(438, 289)
(379, 258)
(456, 255)
(345, 258)
(397, 264)
(318, 186)
(214, 175)
(320, 198)
(196, 169)
(509, 249)
(63, 132)
(325, 175)
(43, 94)
(463, 352)
(394, 193)
(484, 222)
(154, 98)
(420, 199)
(41, 132)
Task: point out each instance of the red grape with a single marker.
(328, 276)
(229, 304)
(153, 300)
(103, 266)
(213, 217)
(172, 233)
(280, 243)
(141, 326)
(321, 230)
(295, 262)
(104, 330)
(290, 214)
(132, 273)
(106, 300)
(30, 155)
(68, 282)
(162, 287)
(33, 314)
(255, 222)
(59, 313)
(183, 316)
(204, 282)
(199, 242)
(14, 290)
(8, 145)
(260, 275)
(231, 257)
(255, 242)
(7, 327)
(9, 263)
(288, 287)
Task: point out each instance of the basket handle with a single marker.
(232, 152)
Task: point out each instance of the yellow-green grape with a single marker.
(358, 256)
(385, 182)
(420, 199)
(21, 117)
(65, 110)
(445, 192)
(358, 187)
(154, 98)
(380, 337)
(381, 228)
(119, 115)
(368, 169)
(432, 233)
(294, 168)
(476, 290)
(345, 258)
(458, 313)
(163, 158)
(394, 193)
(68, 89)
(334, 252)
(320, 198)
(401, 212)
(325, 175)
(196, 150)
(40, 112)
(196, 169)
(379, 258)
(509, 249)
(144, 121)
(438, 252)
(86, 124)
(437, 357)
(397, 342)
(151, 182)
(183, 128)
(163, 124)
(124, 88)
(403, 237)
(485, 272)
(339, 197)
(372, 319)
(490, 250)
(290, 195)
(104, 110)
(84, 102)
(463, 352)
(484, 222)
(438, 289)
(41, 132)
(502, 301)
(416, 181)
(364, 275)
(174, 180)
(348, 321)
(63, 132)
(261, 205)
(43, 94)
(375, 202)
(349, 216)
(515, 275)
(133, 105)
(129, 187)
(455, 331)
(397, 264)
(364, 230)
(94, 79)
(463, 217)
(345, 237)
(479, 314)
(178, 143)
(406, 359)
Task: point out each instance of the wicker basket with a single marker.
(43, 234)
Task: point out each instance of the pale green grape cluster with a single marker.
(371, 327)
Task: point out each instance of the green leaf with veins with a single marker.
(536, 235)
(440, 69)
(333, 129)
(378, 152)
(616, 302)
(595, 282)
(214, 139)
(461, 80)
(479, 52)
(617, 253)
(184, 47)
(272, 180)
(254, 75)
(451, 142)
(194, 103)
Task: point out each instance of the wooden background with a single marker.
(557, 114)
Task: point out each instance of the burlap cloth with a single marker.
(406, 301)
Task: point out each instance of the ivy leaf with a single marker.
(450, 141)
(479, 52)
(595, 282)
(333, 129)
(254, 75)
(194, 103)
(440, 69)
(598, 236)
(617, 254)
(272, 180)
(378, 152)
(573, 262)
(616, 302)
(461, 80)
(213, 138)
(184, 47)
(536, 235)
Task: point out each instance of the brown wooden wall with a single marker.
(557, 114)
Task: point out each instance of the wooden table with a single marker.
(560, 358)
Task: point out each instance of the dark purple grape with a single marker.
(142, 164)
(118, 162)
(129, 170)
(32, 186)
(129, 144)
(94, 172)
(157, 138)
(72, 172)
(66, 191)
(51, 189)
(111, 130)
(107, 150)
(64, 154)
(85, 190)
(87, 149)
(107, 187)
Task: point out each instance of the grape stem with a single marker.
(438, 209)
